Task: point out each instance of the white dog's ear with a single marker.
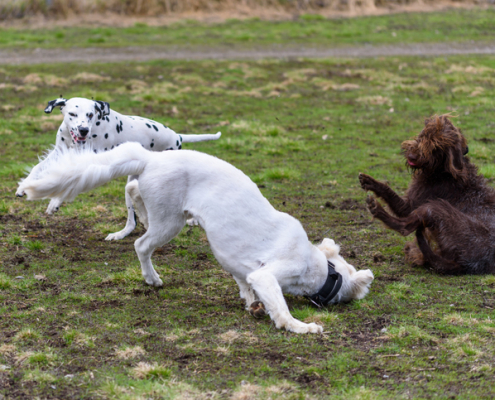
(102, 108)
(55, 103)
(329, 248)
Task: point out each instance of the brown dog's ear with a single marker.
(454, 163)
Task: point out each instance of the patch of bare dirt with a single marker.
(145, 53)
(352, 204)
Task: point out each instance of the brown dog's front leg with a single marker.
(405, 226)
(397, 204)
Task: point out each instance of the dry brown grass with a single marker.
(270, 8)
(129, 352)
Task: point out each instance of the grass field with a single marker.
(454, 25)
(77, 320)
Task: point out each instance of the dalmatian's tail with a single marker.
(199, 138)
(69, 172)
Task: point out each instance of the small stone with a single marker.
(19, 277)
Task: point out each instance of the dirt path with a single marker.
(95, 55)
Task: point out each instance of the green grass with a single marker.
(455, 25)
(303, 130)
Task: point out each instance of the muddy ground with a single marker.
(89, 55)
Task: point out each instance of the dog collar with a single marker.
(330, 288)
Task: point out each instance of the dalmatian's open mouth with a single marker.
(77, 138)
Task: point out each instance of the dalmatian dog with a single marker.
(90, 123)
(266, 251)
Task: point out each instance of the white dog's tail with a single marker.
(69, 172)
(200, 138)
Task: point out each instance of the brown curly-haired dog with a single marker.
(448, 203)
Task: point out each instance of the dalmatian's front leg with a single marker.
(131, 219)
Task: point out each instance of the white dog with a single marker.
(266, 251)
(94, 123)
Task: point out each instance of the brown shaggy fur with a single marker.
(448, 203)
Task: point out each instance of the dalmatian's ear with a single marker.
(55, 103)
(102, 107)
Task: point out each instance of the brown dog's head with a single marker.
(440, 147)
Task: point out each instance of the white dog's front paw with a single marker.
(300, 327)
(117, 235)
(154, 281)
(52, 209)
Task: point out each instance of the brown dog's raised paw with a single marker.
(372, 205)
(366, 181)
(257, 309)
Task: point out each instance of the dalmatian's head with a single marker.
(79, 115)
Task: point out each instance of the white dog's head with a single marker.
(355, 284)
(80, 115)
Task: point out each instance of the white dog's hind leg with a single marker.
(131, 220)
(54, 206)
(247, 292)
(133, 189)
(266, 286)
(192, 222)
(159, 233)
